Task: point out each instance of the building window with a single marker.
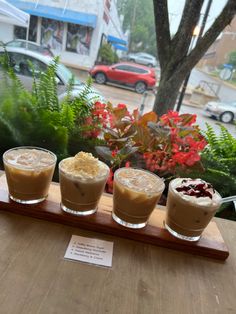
(78, 39)
(20, 32)
(52, 34)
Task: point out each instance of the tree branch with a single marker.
(210, 36)
(190, 17)
(162, 30)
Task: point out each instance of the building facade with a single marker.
(219, 52)
(73, 29)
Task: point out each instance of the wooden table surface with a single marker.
(35, 278)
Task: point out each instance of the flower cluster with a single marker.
(182, 147)
(98, 119)
(161, 145)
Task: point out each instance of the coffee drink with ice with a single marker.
(191, 204)
(29, 172)
(82, 181)
(136, 193)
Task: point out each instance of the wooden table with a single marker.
(35, 278)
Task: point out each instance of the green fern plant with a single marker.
(219, 163)
(32, 118)
(44, 90)
(80, 104)
(37, 117)
(222, 146)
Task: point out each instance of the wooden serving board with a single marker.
(211, 243)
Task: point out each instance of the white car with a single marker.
(20, 59)
(142, 58)
(20, 43)
(224, 111)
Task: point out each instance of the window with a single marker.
(130, 68)
(22, 64)
(139, 70)
(136, 70)
(52, 34)
(122, 67)
(20, 32)
(78, 39)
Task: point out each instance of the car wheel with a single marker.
(140, 87)
(150, 65)
(100, 78)
(131, 60)
(226, 117)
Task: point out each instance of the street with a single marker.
(117, 95)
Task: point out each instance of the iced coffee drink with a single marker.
(191, 204)
(29, 172)
(82, 181)
(136, 193)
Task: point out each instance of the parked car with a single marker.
(22, 58)
(139, 77)
(142, 58)
(30, 45)
(224, 111)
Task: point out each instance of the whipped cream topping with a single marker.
(84, 166)
(196, 191)
(140, 180)
(29, 158)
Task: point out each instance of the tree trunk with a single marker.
(176, 61)
(167, 94)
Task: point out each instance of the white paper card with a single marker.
(92, 251)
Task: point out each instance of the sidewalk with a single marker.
(217, 79)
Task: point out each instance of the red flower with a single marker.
(114, 152)
(121, 106)
(186, 158)
(127, 164)
(171, 118)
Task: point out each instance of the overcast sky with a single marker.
(176, 8)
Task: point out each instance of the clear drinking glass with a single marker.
(187, 216)
(29, 172)
(135, 195)
(80, 195)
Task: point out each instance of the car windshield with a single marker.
(66, 74)
(229, 103)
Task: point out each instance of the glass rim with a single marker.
(29, 147)
(161, 180)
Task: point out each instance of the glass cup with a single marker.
(29, 172)
(188, 215)
(80, 195)
(135, 195)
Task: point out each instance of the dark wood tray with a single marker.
(211, 243)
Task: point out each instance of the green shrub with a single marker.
(107, 55)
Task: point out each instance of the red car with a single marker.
(138, 76)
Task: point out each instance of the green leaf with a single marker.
(104, 152)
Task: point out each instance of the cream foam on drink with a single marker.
(196, 191)
(140, 181)
(28, 158)
(84, 167)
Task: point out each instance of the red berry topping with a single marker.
(197, 189)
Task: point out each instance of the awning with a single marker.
(10, 14)
(113, 39)
(119, 47)
(59, 14)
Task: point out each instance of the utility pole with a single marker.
(182, 93)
